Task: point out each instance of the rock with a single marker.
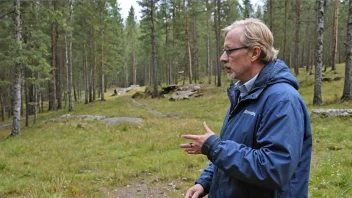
(5, 125)
(138, 95)
(327, 79)
(119, 120)
(181, 95)
(331, 112)
(104, 119)
(337, 78)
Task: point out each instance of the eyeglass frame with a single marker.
(230, 50)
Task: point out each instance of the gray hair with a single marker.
(256, 33)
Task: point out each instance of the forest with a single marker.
(62, 60)
(57, 52)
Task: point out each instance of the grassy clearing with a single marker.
(85, 158)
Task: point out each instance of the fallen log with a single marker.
(331, 112)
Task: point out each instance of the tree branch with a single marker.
(6, 14)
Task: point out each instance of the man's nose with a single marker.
(224, 58)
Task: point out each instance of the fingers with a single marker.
(189, 193)
(195, 191)
(208, 131)
(206, 128)
(197, 194)
(191, 137)
(186, 145)
(192, 151)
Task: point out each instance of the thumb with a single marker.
(206, 128)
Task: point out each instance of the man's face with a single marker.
(237, 62)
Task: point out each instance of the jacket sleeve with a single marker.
(206, 178)
(279, 141)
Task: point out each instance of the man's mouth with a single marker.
(228, 69)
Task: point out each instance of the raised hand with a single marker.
(195, 147)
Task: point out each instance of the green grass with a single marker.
(85, 158)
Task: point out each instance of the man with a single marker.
(265, 144)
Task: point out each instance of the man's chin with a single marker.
(231, 76)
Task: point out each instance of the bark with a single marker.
(102, 68)
(188, 42)
(334, 48)
(285, 31)
(26, 101)
(70, 83)
(2, 107)
(309, 58)
(35, 104)
(53, 68)
(85, 75)
(94, 82)
(208, 43)
(154, 56)
(134, 65)
(347, 89)
(271, 16)
(66, 69)
(41, 102)
(217, 30)
(298, 10)
(16, 125)
(90, 85)
(317, 99)
(167, 57)
(195, 48)
(58, 84)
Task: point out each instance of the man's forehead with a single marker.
(233, 36)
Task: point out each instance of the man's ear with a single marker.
(256, 51)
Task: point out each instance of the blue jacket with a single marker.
(265, 144)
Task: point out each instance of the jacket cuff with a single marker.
(206, 187)
(210, 144)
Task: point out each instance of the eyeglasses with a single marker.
(228, 51)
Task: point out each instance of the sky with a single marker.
(125, 6)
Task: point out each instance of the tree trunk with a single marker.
(336, 27)
(347, 89)
(285, 33)
(195, 48)
(70, 68)
(90, 81)
(94, 72)
(35, 104)
(85, 75)
(217, 30)
(53, 69)
(41, 102)
(298, 10)
(317, 100)
(102, 68)
(154, 56)
(167, 57)
(16, 124)
(2, 107)
(208, 43)
(58, 76)
(271, 16)
(309, 58)
(134, 67)
(188, 42)
(26, 101)
(67, 72)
